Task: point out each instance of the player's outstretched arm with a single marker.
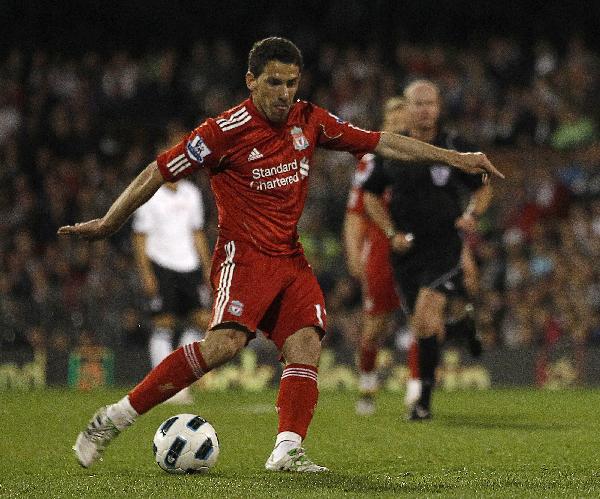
(136, 194)
(403, 148)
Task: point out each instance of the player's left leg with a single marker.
(296, 402)
(194, 331)
(193, 318)
(296, 322)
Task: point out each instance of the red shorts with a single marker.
(277, 295)
(380, 293)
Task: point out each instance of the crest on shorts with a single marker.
(236, 308)
(300, 141)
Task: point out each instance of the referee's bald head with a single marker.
(419, 86)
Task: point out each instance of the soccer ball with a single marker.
(186, 443)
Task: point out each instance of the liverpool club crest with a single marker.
(300, 141)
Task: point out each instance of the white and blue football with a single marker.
(186, 443)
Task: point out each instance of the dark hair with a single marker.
(273, 48)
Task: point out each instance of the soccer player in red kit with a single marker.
(368, 258)
(258, 156)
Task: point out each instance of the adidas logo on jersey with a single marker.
(254, 155)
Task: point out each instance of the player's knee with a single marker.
(233, 340)
(303, 347)
(221, 345)
(374, 328)
(368, 342)
(425, 325)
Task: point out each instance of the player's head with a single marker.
(423, 104)
(274, 66)
(394, 115)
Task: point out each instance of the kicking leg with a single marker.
(178, 370)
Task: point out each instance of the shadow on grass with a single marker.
(343, 483)
(488, 422)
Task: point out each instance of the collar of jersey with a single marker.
(259, 117)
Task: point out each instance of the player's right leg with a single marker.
(374, 328)
(178, 370)
(413, 384)
(160, 345)
(380, 300)
(296, 402)
(428, 325)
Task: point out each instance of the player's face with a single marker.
(273, 91)
(423, 106)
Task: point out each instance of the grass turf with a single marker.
(499, 443)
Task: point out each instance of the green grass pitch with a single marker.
(497, 443)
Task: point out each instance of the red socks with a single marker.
(413, 360)
(297, 398)
(178, 370)
(367, 358)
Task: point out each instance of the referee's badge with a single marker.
(440, 174)
(300, 141)
(236, 308)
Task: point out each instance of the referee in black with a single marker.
(424, 222)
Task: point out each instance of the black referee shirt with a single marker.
(424, 200)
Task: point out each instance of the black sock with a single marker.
(428, 361)
(465, 329)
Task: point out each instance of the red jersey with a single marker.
(380, 294)
(259, 170)
(356, 204)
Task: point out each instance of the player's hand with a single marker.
(401, 242)
(476, 162)
(466, 223)
(92, 230)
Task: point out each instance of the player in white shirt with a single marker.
(173, 258)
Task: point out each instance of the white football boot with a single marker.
(92, 441)
(293, 460)
(365, 406)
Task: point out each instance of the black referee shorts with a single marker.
(431, 263)
(178, 292)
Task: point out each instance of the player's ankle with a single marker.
(285, 442)
(288, 436)
(368, 382)
(122, 414)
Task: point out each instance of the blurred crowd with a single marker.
(75, 130)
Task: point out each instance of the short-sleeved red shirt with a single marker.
(356, 204)
(259, 170)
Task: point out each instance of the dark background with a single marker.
(142, 25)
